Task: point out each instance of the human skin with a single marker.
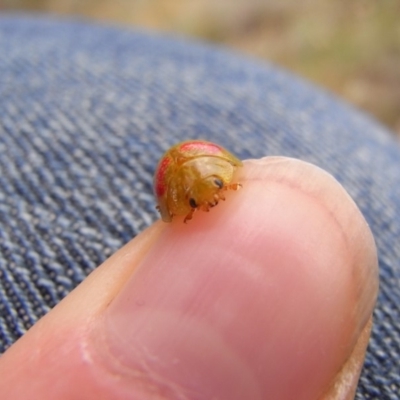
(268, 296)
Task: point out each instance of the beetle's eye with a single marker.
(192, 203)
(219, 183)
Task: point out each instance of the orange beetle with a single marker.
(192, 176)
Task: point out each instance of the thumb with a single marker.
(268, 296)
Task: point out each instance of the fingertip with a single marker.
(284, 272)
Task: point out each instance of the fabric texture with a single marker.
(85, 113)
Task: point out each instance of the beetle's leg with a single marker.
(233, 186)
(189, 216)
(221, 196)
(205, 207)
(216, 200)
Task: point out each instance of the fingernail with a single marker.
(263, 297)
(344, 384)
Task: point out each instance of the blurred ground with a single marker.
(351, 47)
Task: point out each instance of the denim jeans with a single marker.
(85, 113)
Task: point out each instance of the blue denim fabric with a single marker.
(85, 113)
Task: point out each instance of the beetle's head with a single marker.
(204, 193)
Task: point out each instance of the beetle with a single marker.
(192, 176)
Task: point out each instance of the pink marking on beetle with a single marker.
(206, 147)
(160, 176)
